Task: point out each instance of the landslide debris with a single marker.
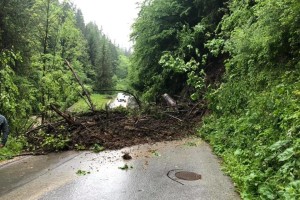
(115, 129)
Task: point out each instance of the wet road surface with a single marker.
(151, 175)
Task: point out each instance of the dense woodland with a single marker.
(37, 37)
(240, 59)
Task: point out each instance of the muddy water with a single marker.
(54, 176)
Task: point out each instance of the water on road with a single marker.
(150, 174)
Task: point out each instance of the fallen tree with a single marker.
(116, 129)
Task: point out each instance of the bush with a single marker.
(256, 130)
(14, 146)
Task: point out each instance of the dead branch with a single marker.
(86, 128)
(31, 154)
(194, 107)
(67, 117)
(37, 128)
(143, 129)
(174, 117)
(42, 126)
(171, 102)
(86, 101)
(82, 86)
(157, 131)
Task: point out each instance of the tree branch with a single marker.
(86, 93)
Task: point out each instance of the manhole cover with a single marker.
(188, 176)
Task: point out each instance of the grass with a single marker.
(13, 147)
(99, 100)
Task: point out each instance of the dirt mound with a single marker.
(117, 129)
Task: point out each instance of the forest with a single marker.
(37, 38)
(238, 60)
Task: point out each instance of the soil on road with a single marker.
(117, 129)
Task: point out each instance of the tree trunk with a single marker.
(86, 93)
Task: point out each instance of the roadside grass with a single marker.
(14, 146)
(122, 84)
(99, 100)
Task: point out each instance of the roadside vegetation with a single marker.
(255, 121)
(99, 100)
(37, 39)
(15, 146)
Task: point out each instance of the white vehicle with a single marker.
(122, 100)
(122, 97)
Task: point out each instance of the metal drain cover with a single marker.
(188, 176)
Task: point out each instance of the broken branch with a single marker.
(82, 86)
(67, 117)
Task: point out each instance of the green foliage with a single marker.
(8, 90)
(257, 134)
(15, 32)
(122, 76)
(36, 37)
(55, 142)
(255, 118)
(169, 48)
(195, 79)
(13, 147)
(99, 100)
(154, 32)
(265, 33)
(80, 147)
(82, 172)
(97, 148)
(254, 124)
(122, 69)
(56, 39)
(126, 167)
(13, 104)
(104, 57)
(155, 153)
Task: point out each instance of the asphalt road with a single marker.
(151, 175)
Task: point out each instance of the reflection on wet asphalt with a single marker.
(54, 176)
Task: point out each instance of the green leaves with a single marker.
(103, 56)
(292, 190)
(169, 42)
(54, 141)
(215, 46)
(97, 148)
(259, 137)
(255, 117)
(255, 120)
(10, 98)
(261, 34)
(82, 172)
(126, 167)
(13, 147)
(286, 155)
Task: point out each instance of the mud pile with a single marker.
(117, 129)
